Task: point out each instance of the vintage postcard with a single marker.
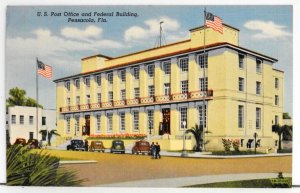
(149, 96)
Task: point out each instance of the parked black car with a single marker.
(76, 144)
(117, 146)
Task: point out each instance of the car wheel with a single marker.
(102, 151)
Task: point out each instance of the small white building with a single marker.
(21, 122)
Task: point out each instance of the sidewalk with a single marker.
(188, 181)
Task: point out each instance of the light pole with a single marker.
(150, 128)
(255, 136)
(184, 154)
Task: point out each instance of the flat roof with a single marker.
(200, 27)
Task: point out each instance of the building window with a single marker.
(110, 96)
(241, 116)
(77, 100)
(151, 91)
(276, 100)
(87, 81)
(77, 83)
(184, 86)
(99, 97)
(98, 123)
(43, 120)
(13, 119)
(167, 67)
(151, 70)
(30, 120)
(136, 93)
(258, 88)
(202, 60)
(68, 101)
(21, 119)
(110, 122)
(123, 94)
(241, 61)
(68, 129)
(241, 84)
(77, 123)
(184, 64)
(167, 89)
(204, 84)
(183, 117)
(276, 120)
(67, 85)
(202, 117)
(258, 65)
(136, 72)
(123, 75)
(122, 121)
(88, 99)
(258, 118)
(150, 114)
(98, 80)
(276, 83)
(31, 135)
(135, 120)
(110, 77)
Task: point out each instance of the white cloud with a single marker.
(75, 33)
(267, 30)
(170, 26)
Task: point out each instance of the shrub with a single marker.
(25, 168)
(236, 145)
(227, 144)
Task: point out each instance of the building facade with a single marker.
(21, 122)
(232, 91)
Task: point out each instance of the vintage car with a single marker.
(97, 146)
(20, 141)
(142, 147)
(76, 144)
(33, 143)
(117, 146)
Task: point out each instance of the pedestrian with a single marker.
(86, 145)
(157, 151)
(152, 149)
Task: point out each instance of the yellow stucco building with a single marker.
(160, 92)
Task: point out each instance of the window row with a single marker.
(22, 120)
(150, 68)
(242, 63)
(241, 117)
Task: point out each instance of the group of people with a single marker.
(155, 149)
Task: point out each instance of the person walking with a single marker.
(152, 149)
(157, 151)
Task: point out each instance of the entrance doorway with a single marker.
(86, 128)
(165, 125)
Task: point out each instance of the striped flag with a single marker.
(213, 22)
(44, 69)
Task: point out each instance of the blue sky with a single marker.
(265, 29)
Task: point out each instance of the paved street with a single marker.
(118, 168)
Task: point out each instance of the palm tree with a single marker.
(280, 130)
(26, 168)
(49, 134)
(198, 133)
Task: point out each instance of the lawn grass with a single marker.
(285, 151)
(260, 183)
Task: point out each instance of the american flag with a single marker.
(44, 69)
(214, 22)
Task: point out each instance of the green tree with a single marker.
(18, 98)
(286, 116)
(49, 134)
(26, 168)
(280, 130)
(198, 133)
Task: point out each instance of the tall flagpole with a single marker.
(203, 86)
(37, 98)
